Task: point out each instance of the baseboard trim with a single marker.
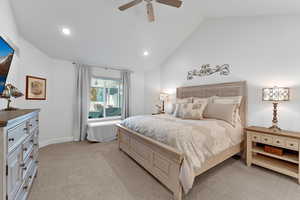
(55, 141)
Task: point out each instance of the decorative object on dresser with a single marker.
(275, 94)
(287, 163)
(19, 143)
(8, 92)
(207, 70)
(35, 88)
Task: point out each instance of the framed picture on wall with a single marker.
(35, 88)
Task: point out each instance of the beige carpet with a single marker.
(85, 171)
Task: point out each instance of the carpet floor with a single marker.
(99, 171)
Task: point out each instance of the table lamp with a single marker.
(276, 95)
(8, 92)
(163, 97)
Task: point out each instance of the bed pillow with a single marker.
(192, 110)
(228, 100)
(200, 100)
(184, 100)
(225, 112)
(169, 108)
(176, 112)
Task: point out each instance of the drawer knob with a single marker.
(291, 145)
(266, 139)
(32, 141)
(11, 139)
(25, 187)
(25, 129)
(277, 142)
(36, 161)
(25, 149)
(24, 168)
(37, 120)
(35, 144)
(22, 165)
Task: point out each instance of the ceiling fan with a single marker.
(149, 6)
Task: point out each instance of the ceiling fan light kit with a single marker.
(149, 6)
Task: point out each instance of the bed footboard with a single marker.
(162, 161)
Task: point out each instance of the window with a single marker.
(105, 98)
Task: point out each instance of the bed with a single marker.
(167, 163)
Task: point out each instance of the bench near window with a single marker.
(102, 131)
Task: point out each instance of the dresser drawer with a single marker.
(27, 164)
(279, 141)
(22, 193)
(16, 135)
(28, 146)
(33, 123)
(292, 144)
(267, 139)
(255, 137)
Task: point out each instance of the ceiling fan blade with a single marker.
(150, 12)
(130, 4)
(174, 3)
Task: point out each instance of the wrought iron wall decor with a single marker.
(207, 70)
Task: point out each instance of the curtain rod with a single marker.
(107, 68)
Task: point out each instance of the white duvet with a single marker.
(198, 140)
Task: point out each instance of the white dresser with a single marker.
(19, 144)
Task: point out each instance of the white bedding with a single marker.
(198, 140)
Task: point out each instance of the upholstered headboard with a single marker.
(222, 90)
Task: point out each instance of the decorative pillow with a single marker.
(169, 108)
(192, 110)
(185, 100)
(228, 100)
(176, 112)
(226, 112)
(200, 100)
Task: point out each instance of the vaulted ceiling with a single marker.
(103, 35)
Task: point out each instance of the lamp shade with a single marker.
(163, 96)
(276, 94)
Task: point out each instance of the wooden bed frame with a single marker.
(164, 162)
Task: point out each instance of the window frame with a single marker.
(104, 110)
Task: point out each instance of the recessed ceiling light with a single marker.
(66, 31)
(146, 53)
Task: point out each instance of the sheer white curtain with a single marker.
(81, 101)
(125, 80)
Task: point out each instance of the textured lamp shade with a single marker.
(276, 94)
(163, 96)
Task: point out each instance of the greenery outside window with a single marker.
(105, 98)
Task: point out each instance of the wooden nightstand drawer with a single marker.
(266, 139)
(292, 144)
(255, 137)
(278, 141)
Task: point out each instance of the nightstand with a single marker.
(289, 141)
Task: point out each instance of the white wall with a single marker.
(9, 31)
(56, 111)
(262, 50)
(152, 90)
(137, 94)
